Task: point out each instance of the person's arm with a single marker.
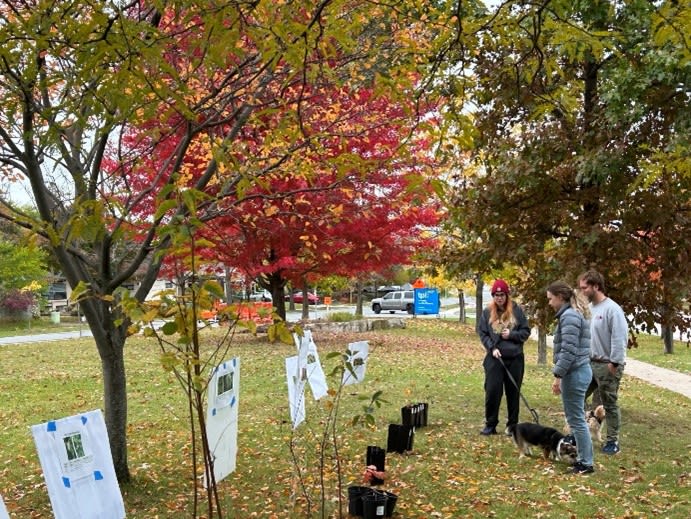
(521, 331)
(569, 324)
(619, 336)
(487, 336)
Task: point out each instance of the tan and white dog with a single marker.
(594, 419)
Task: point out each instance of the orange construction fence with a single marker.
(259, 312)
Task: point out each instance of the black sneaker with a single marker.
(580, 468)
(488, 431)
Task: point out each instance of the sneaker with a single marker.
(611, 447)
(580, 468)
(487, 431)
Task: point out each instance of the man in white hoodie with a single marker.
(608, 342)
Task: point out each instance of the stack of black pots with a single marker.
(370, 503)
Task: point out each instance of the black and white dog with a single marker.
(554, 444)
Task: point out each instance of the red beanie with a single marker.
(500, 286)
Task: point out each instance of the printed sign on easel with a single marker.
(357, 358)
(308, 358)
(78, 467)
(223, 397)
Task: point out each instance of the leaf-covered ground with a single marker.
(451, 472)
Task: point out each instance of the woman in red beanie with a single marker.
(503, 329)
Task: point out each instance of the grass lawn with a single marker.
(451, 472)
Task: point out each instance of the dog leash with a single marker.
(533, 412)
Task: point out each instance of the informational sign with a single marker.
(78, 467)
(426, 301)
(357, 359)
(296, 377)
(308, 359)
(223, 398)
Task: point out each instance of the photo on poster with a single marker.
(224, 388)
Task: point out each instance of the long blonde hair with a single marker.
(504, 320)
(575, 299)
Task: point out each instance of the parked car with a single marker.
(264, 296)
(311, 298)
(399, 300)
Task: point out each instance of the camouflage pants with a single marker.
(607, 390)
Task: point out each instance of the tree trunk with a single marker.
(461, 306)
(541, 346)
(305, 301)
(358, 297)
(668, 339)
(110, 343)
(479, 286)
(115, 403)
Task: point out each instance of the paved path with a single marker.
(45, 337)
(661, 377)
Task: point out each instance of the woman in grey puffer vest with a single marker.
(572, 373)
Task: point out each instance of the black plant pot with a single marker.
(409, 415)
(391, 499)
(355, 494)
(400, 438)
(376, 456)
(374, 505)
(424, 411)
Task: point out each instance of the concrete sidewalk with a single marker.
(661, 377)
(45, 337)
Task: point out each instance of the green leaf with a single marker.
(169, 328)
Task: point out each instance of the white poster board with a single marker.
(3, 510)
(78, 467)
(308, 358)
(223, 398)
(296, 378)
(357, 357)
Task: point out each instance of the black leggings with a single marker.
(497, 382)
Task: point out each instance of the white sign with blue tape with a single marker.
(78, 468)
(223, 397)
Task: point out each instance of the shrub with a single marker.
(341, 317)
(16, 302)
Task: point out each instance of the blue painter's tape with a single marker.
(232, 401)
(213, 412)
(84, 420)
(51, 427)
(235, 361)
(66, 482)
(97, 475)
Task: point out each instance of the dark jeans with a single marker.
(497, 382)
